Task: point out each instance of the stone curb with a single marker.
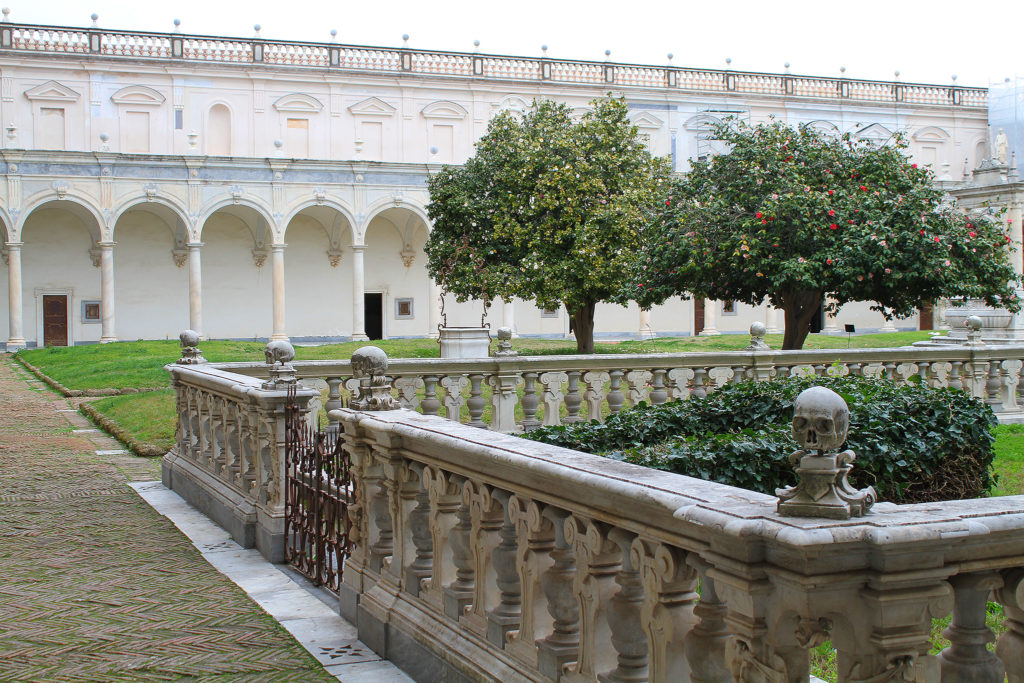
(146, 450)
(75, 393)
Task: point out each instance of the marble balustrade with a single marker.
(526, 392)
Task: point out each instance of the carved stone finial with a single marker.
(279, 355)
(505, 342)
(757, 332)
(974, 325)
(820, 422)
(190, 353)
(369, 363)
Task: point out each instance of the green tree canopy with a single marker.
(546, 210)
(796, 216)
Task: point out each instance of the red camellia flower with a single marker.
(913, 165)
(937, 239)
(831, 212)
(864, 188)
(759, 214)
(922, 233)
(851, 221)
(834, 226)
(668, 202)
(831, 192)
(764, 222)
(972, 233)
(828, 261)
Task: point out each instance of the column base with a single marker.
(279, 336)
(108, 340)
(709, 333)
(360, 337)
(16, 344)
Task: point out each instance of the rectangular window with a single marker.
(728, 308)
(443, 137)
(91, 312)
(372, 135)
(403, 309)
(296, 138)
(179, 119)
(136, 135)
(549, 313)
(51, 128)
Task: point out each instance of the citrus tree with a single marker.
(802, 218)
(547, 209)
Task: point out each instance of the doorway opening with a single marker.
(373, 307)
(55, 320)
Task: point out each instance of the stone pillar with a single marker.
(831, 323)
(771, 319)
(358, 294)
(710, 319)
(109, 333)
(278, 272)
(1016, 230)
(195, 289)
(16, 338)
(433, 310)
(508, 315)
(645, 331)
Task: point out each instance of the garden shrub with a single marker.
(914, 443)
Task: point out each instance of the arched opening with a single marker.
(318, 275)
(60, 275)
(151, 272)
(396, 287)
(237, 281)
(218, 131)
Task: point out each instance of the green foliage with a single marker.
(913, 443)
(793, 215)
(547, 209)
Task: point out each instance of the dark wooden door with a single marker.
(698, 316)
(925, 317)
(373, 307)
(55, 320)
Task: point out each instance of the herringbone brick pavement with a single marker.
(96, 586)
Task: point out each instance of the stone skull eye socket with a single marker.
(799, 423)
(823, 424)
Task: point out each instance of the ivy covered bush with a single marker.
(913, 443)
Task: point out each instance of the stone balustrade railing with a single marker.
(504, 559)
(144, 45)
(525, 392)
(228, 459)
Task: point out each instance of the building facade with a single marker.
(258, 189)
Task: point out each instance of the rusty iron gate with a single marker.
(317, 489)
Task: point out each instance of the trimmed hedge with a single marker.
(914, 443)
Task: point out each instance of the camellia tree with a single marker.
(803, 219)
(548, 210)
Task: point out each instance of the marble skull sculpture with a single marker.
(820, 419)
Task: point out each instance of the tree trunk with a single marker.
(583, 326)
(799, 308)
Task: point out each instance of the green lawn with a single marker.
(150, 416)
(140, 364)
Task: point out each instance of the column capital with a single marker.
(359, 247)
(106, 245)
(195, 245)
(14, 245)
(278, 247)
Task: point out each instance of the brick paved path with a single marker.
(94, 584)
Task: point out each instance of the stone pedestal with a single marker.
(465, 342)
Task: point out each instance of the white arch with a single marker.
(339, 206)
(381, 205)
(142, 199)
(46, 197)
(6, 224)
(253, 203)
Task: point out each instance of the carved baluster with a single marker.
(1010, 648)
(505, 616)
(706, 643)
(625, 622)
(699, 389)
(855, 369)
(406, 388)
(453, 386)
(536, 540)
(720, 376)
(739, 373)
(598, 561)
(249, 447)
(458, 595)
(562, 644)
(1009, 377)
(476, 402)
(992, 387)
(615, 396)
(218, 407)
(594, 394)
(530, 401)
(503, 401)
(553, 382)
(967, 660)
(430, 405)
(923, 371)
(659, 393)
(890, 370)
(333, 397)
(445, 493)
(637, 380)
(667, 617)
(419, 533)
(381, 534)
(229, 416)
(680, 379)
(955, 381)
(820, 369)
(573, 398)
(486, 520)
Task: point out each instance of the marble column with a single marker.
(16, 338)
(508, 315)
(109, 329)
(358, 294)
(771, 319)
(1014, 216)
(433, 310)
(710, 319)
(195, 289)
(277, 265)
(831, 323)
(645, 331)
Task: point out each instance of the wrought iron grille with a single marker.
(317, 487)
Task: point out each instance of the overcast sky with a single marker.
(925, 41)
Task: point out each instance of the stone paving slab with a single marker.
(96, 584)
